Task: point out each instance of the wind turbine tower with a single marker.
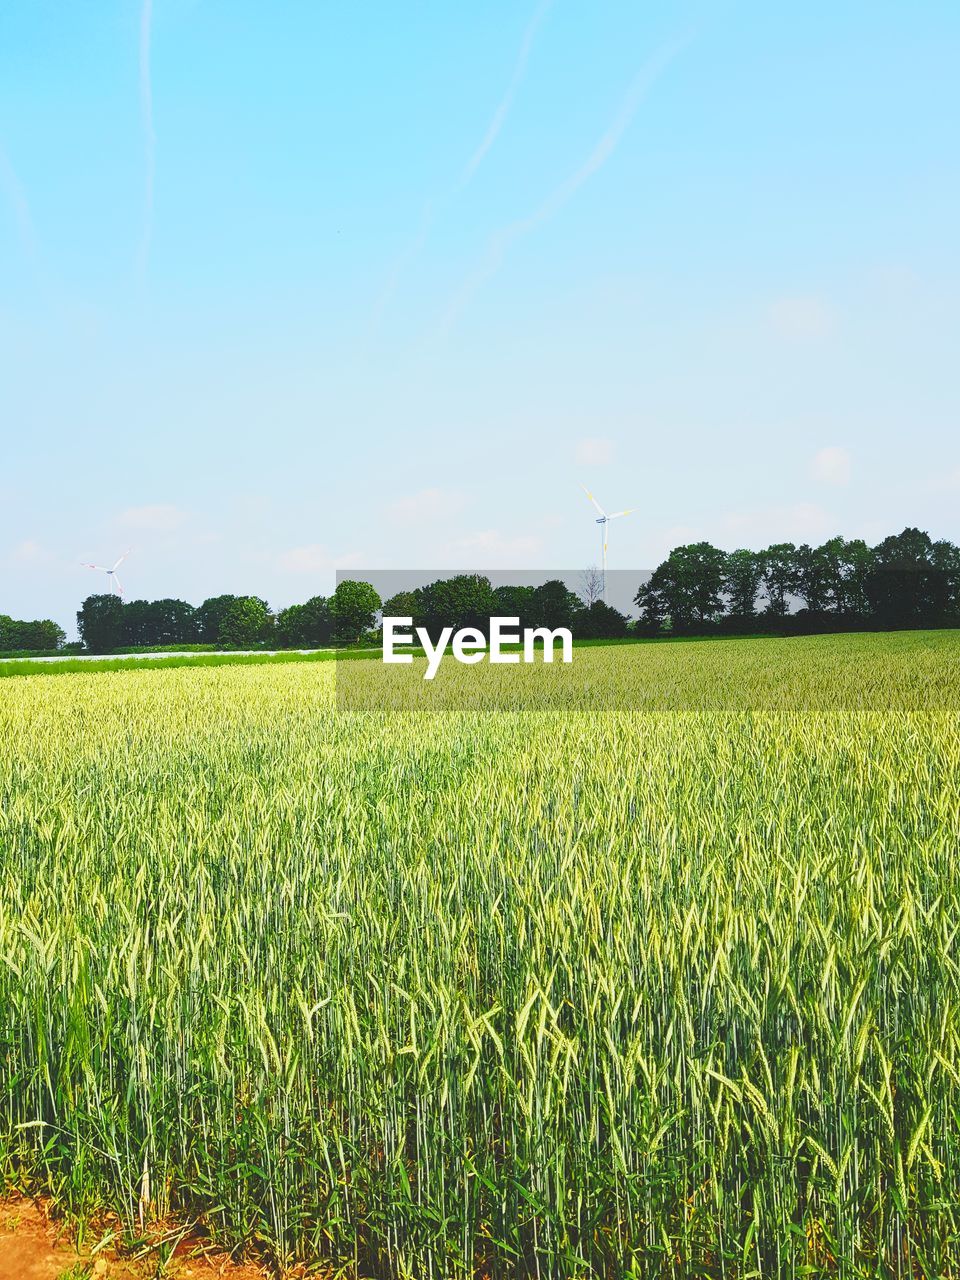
(603, 520)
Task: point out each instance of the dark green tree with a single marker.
(516, 602)
(600, 621)
(173, 622)
(689, 587)
(910, 584)
(743, 574)
(100, 622)
(814, 578)
(39, 634)
(304, 626)
(353, 610)
(210, 617)
(245, 622)
(780, 577)
(405, 604)
(555, 605)
(652, 619)
(466, 600)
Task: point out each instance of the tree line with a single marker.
(907, 580)
(106, 622)
(19, 636)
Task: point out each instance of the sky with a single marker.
(304, 286)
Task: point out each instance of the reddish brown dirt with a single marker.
(35, 1247)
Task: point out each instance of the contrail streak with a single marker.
(403, 261)
(506, 102)
(604, 148)
(413, 250)
(146, 112)
(12, 186)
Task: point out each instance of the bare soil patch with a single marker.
(34, 1245)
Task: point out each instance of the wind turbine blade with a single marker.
(119, 585)
(102, 567)
(593, 499)
(629, 511)
(122, 558)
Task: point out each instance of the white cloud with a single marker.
(947, 482)
(594, 452)
(29, 553)
(426, 506)
(793, 522)
(755, 528)
(802, 317)
(832, 465)
(161, 517)
(315, 558)
(492, 549)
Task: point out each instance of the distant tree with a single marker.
(688, 587)
(304, 626)
(652, 619)
(100, 622)
(516, 602)
(135, 623)
(245, 621)
(945, 559)
(555, 605)
(847, 566)
(814, 578)
(591, 585)
(210, 617)
(39, 634)
(910, 583)
(466, 600)
(288, 627)
(405, 604)
(353, 609)
(780, 576)
(600, 622)
(743, 574)
(173, 622)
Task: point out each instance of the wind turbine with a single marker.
(111, 572)
(603, 520)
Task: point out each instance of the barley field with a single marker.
(668, 985)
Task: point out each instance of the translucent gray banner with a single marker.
(547, 640)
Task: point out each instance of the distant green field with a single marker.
(668, 987)
(70, 666)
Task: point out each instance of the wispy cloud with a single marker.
(315, 558)
(594, 452)
(603, 149)
(493, 549)
(803, 317)
(832, 465)
(14, 191)
(146, 114)
(506, 102)
(160, 517)
(30, 554)
(426, 506)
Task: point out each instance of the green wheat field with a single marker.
(651, 981)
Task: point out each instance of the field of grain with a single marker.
(656, 990)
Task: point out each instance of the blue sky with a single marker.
(292, 287)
